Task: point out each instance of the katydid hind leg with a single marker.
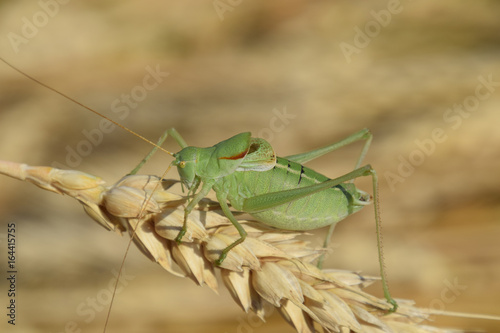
(363, 134)
(378, 225)
(274, 199)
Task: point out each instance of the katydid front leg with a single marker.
(207, 186)
(222, 199)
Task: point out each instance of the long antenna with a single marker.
(84, 106)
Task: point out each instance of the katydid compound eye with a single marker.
(182, 164)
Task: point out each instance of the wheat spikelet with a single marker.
(270, 267)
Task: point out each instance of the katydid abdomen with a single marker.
(313, 211)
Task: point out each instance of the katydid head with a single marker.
(185, 161)
(196, 164)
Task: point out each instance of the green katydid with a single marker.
(279, 192)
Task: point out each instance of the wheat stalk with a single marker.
(271, 267)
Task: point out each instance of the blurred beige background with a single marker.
(235, 71)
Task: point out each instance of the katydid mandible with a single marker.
(279, 192)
